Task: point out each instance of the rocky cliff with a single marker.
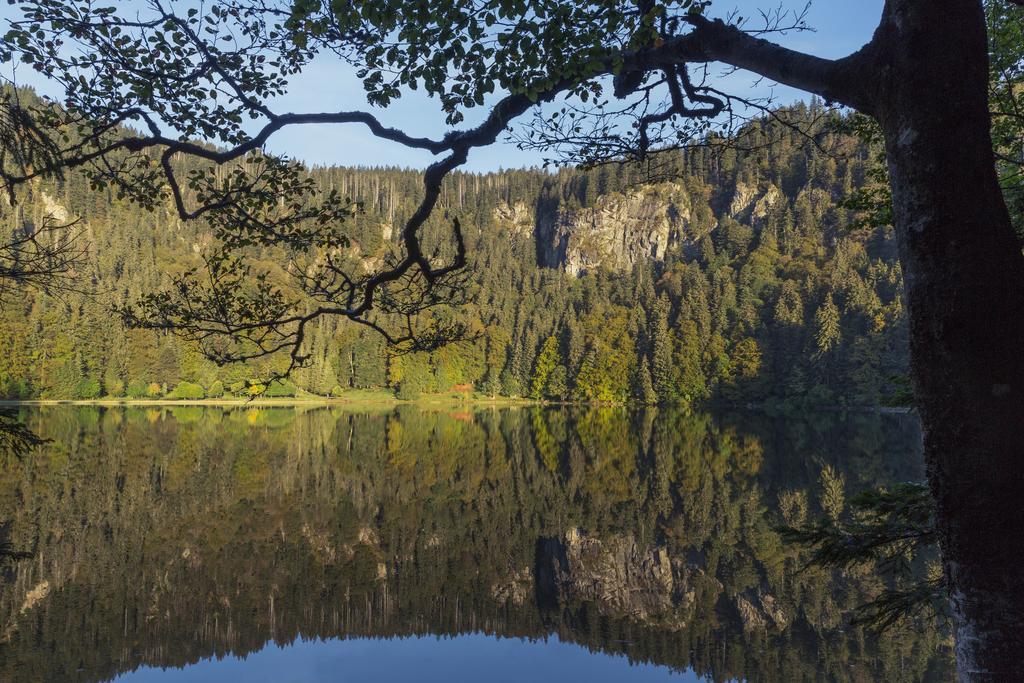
(618, 231)
(643, 224)
(750, 204)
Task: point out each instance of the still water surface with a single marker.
(281, 544)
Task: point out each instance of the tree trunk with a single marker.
(964, 276)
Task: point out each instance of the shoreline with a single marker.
(268, 402)
(426, 401)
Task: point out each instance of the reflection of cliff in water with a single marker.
(165, 536)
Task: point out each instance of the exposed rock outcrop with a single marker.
(770, 606)
(617, 232)
(57, 211)
(32, 598)
(751, 204)
(743, 198)
(644, 224)
(518, 218)
(751, 617)
(327, 551)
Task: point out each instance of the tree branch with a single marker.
(715, 41)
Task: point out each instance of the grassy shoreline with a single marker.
(386, 400)
(366, 400)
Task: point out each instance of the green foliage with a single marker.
(601, 378)
(88, 389)
(1006, 98)
(416, 377)
(115, 387)
(280, 389)
(136, 390)
(645, 392)
(901, 392)
(253, 389)
(558, 383)
(14, 389)
(187, 391)
(827, 330)
(833, 499)
(477, 49)
(16, 439)
(663, 369)
(216, 389)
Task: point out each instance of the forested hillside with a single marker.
(737, 275)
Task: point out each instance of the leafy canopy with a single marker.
(463, 51)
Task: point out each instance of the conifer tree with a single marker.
(511, 375)
(645, 392)
(826, 322)
(662, 368)
(547, 360)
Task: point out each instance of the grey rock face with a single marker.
(516, 588)
(623, 578)
(518, 218)
(617, 232)
(642, 225)
(751, 204)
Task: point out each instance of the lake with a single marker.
(448, 544)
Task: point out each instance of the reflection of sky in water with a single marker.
(463, 658)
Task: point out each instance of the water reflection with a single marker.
(164, 537)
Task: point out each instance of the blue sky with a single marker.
(841, 26)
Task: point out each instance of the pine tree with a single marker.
(826, 323)
(662, 370)
(527, 352)
(558, 383)
(575, 346)
(687, 360)
(548, 358)
(511, 375)
(491, 384)
(645, 392)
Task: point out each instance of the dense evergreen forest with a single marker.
(739, 272)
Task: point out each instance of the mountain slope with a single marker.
(738, 276)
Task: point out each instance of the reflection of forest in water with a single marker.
(161, 536)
